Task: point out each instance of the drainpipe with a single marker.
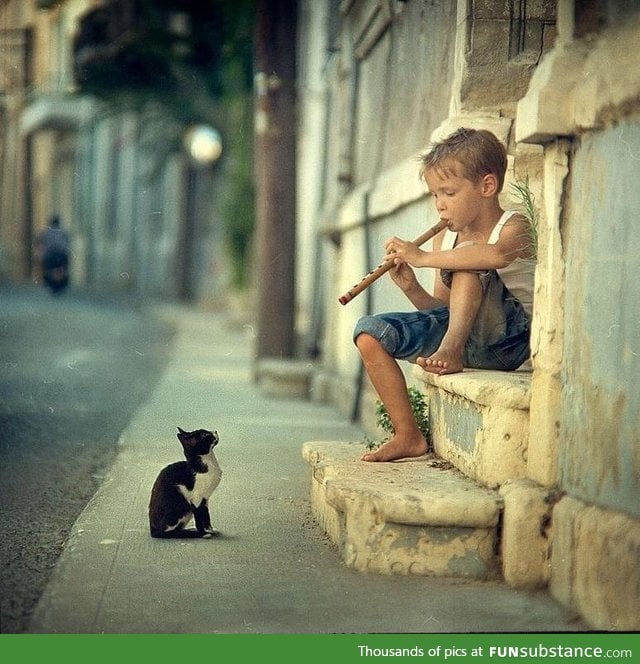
(368, 294)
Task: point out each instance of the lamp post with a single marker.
(203, 146)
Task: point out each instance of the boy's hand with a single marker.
(403, 252)
(403, 277)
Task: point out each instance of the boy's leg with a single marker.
(464, 303)
(389, 382)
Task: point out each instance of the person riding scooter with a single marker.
(53, 246)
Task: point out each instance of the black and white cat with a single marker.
(182, 489)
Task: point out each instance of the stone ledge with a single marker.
(417, 492)
(412, 517)
(508, 389)
(480, 422)
(579, 83)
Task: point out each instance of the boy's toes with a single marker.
(439, 365)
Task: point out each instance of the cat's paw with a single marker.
(211, 532)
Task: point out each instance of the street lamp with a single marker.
(203, 144)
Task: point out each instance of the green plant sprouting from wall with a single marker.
(525, 196)
(420, 409)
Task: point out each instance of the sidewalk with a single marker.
(272, 570)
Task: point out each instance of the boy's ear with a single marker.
(489, 184)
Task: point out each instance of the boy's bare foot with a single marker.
(398, 448)
(441, 362)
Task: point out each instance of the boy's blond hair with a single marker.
(468, 153)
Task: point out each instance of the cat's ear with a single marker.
(188, 442)
(181, 430)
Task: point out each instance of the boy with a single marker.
(480, 311)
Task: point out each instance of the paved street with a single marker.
(73, 371)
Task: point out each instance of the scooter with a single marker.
(55, 271)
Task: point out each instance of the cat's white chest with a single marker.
(205, 483)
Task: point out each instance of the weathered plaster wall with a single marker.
(600, 436)
(394, 117)
(582, 105)
(379, 118)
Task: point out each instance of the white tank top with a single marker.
(518, 276)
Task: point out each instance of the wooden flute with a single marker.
(387, 264)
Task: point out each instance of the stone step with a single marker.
(421, 517)
(480, 421)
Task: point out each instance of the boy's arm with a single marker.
(514, 242)
(422, 299)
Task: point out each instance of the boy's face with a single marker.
(457, 198)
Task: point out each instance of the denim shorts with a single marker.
(499, 337)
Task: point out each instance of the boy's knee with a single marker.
(365, 342)
(367, 325)
(372, 333)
